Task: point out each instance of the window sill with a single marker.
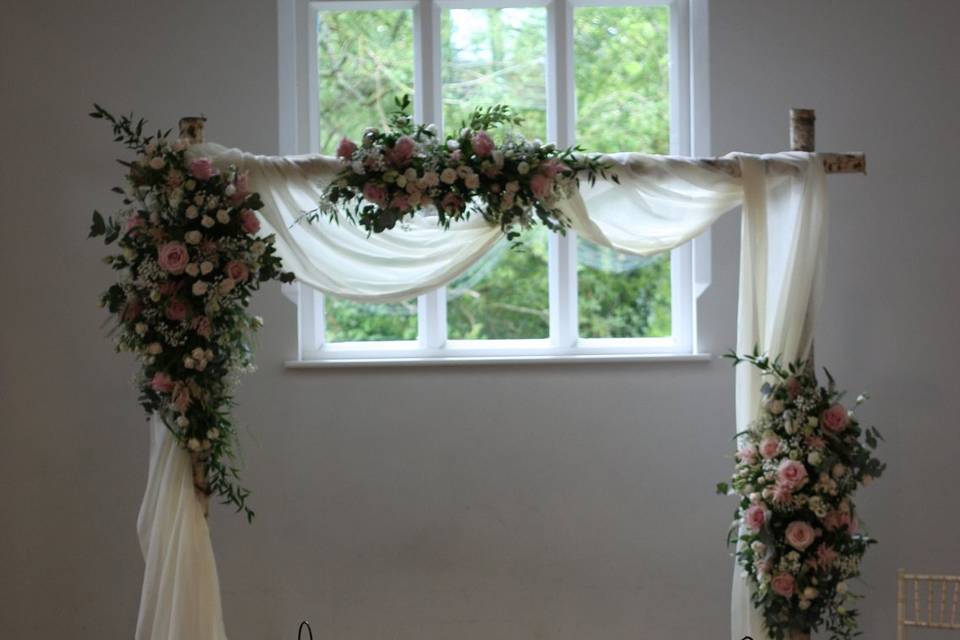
(461, 360)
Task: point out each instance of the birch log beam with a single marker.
(191, 131)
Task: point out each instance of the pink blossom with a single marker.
(242, 186)
(161, 383)
(815, 442)
(173, 257)
(400, 202)
(203, 169)
(237, 270)
(800, 535)
(456, 156)
(553, 167)
(174, 179)
(346, 149)
(835, 419)
(375, 193)
(793, 387)
(783, 584)
(180, 397)
(176, 310)
(754, 517)
(769, 447)
(482, 144)
(202, 325)
(402, 151)
(782, 494)
(792, 474)
(451, 203)
(826, 556)
(249, 221)
(836, 520)
(747, 454)
(541, 186)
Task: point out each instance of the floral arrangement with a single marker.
(189, 260)
(391, 174)
(796, 527)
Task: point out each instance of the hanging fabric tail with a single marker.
(180, 599)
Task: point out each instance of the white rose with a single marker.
(230, 190)
(401, 181)
(804, 605)
(498, 159)
(523, 168)
(472, 181)
(357, 167)
(775, 407)
(410, 174)
(464, 171)
(193, 237)
(154, 348)
(140, 328)
(192, 211)
(189, 363)
(198, 199)
(206, 267)
(814, 458)
(197, 353)
(812, 421)
(154, 218)
(200, 288)
(810, 593)
(192, 269)
(453, 145)
(208, 354)
(257, 248)
(223, 216)
(838, 471)
(182, 421)
(841, 587)
(448, 176)
(201, 365)
(213, 434)
(175, 197)
(207, 221)
(227, 285)
(193, 444)
(155, 295)
(157, 163)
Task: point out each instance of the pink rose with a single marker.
(346, 149)
(161, 383)
(800, 535)
(237, 270)
(835, 419)
(769, 447)
(180, 397)
(400, 202)
(203, 169)
(541, 186)
(173, 257)
(249, 221)
(755, 517)
(402, 151)
(783, 584)
(176, 310)
(792, 474)
(747, 454)
(375, 193)
(202, 325)
(482, 144)
(451, 203)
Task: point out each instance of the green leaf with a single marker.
(723, 488)
(99, 227)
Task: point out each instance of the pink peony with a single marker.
(173, 257)
(346, 149)
(176, 310)
(402, 151)
(769, 447)
(237, 270)
(482, 144)
(249, 221)
(451, 203)
(792, 474)
(835, 419)
(375, 193)
(161, 383)
(783, 584)
(203, 169)
(202, 325)
(800, 535)
(754, 517)
(180, 397)
(541, 186)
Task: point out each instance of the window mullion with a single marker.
(561, 129)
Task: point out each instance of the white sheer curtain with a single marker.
(660, 203)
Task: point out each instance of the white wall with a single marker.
(559, 502)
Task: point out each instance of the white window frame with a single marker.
(689, 135)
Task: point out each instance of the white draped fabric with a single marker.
(660, 203)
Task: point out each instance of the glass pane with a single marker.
(623, 103)
(505, 295)
(495, 56)
(364, 60)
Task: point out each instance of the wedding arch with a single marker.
(654, 204)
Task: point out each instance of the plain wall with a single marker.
(560, 502)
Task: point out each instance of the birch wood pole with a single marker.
(191, 131)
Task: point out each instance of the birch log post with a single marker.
(191, 131)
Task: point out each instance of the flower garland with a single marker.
(189, 261)
(796, 526)
(515, 183)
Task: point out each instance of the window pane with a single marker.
(495, 56)
(622, 104)
(364, 60)
(505, 295)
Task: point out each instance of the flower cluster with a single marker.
(796, 528)
(392, 174)
(189, 259)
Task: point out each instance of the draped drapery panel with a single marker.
(660, 203)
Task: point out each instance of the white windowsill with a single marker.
(453, 359)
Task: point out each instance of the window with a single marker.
(612, 75)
